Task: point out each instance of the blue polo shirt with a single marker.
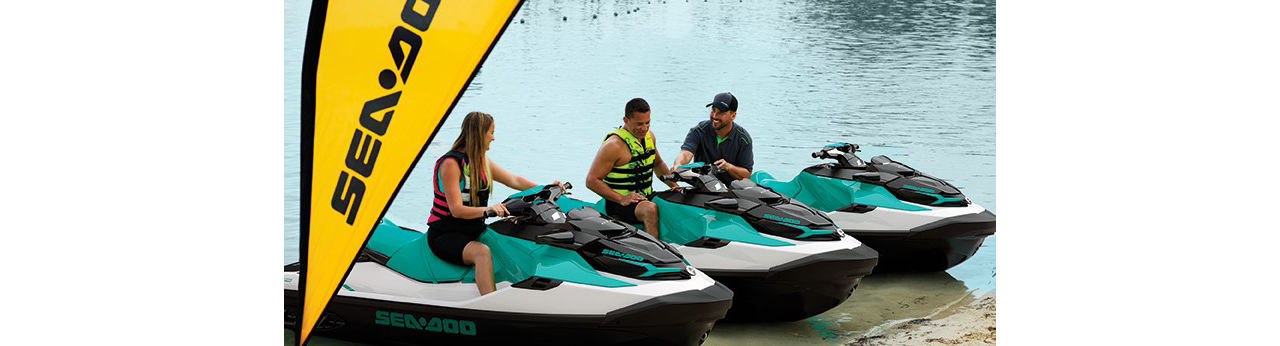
(707, 147)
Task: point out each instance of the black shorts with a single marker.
(447, 237)
(625, 213)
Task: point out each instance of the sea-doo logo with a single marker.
(365, 143)
(916, 188)
(435, 324)
(622, 255)
(783, 219)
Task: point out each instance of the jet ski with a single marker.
(783, 261)
(917, 222)
(562, 278)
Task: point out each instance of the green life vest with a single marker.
(636, 176)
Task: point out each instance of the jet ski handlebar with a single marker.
(843, 153)
(691, 172)
(549, 193)
(832, 151)
(700, 175)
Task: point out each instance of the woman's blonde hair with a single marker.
(472, 141)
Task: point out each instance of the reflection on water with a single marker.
(912, 79)
(881, 301)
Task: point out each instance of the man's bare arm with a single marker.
(660, 168)
(606, 158)
(683, 159)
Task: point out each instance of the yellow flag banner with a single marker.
(379, 78)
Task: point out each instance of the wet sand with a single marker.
(970, 324)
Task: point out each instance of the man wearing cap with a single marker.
(719, 142)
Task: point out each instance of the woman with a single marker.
(462, 190)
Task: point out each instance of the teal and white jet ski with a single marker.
(562, 278)
(783, 260)
(917, 222)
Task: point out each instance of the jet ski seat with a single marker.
(388, 237)
(411, 256)
(762, 178)
(416, 260)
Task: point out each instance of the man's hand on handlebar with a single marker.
(722, 164)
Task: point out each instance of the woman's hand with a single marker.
(499, 210)
(557, 183)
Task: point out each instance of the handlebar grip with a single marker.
(490, 213)
(567, 185)
(817, 154)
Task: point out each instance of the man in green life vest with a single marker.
(623, 169)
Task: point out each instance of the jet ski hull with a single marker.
(934, 246)
(796, 290)
(934, 228)
(684, 318)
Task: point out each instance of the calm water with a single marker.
(914, 80)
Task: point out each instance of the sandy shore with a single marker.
(971, 324)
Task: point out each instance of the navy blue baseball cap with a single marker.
(724, 102)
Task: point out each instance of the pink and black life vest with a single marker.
(440, 209)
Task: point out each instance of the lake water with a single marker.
(914, 80)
